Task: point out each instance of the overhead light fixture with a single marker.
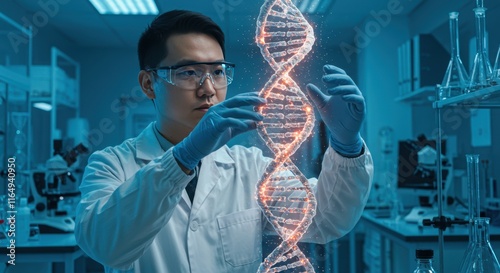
(314, 6)
(42, 106)
(126, 7)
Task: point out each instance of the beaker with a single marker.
(482, 68)
(480, 258)
(495, 73)
(456, 79)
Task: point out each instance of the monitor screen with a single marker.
(411, 174)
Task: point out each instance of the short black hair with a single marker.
(152, 44)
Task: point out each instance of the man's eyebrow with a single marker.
(187, 61)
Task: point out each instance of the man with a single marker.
(139, 211)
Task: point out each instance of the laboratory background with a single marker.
(428, 69)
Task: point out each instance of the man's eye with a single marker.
(186, 73)
(219, 72)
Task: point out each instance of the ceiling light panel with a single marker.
(314, 6)
(125, 7)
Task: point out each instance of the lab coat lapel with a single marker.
(210, 174)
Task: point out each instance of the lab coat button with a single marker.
(194, 225)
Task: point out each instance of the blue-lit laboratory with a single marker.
(263, 136)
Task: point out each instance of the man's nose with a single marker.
(207, 87)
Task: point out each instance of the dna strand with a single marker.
(283, 192)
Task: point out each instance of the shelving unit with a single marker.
(483, 98)
(15, 131)
(58, 86)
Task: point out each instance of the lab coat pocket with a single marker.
(241, 236)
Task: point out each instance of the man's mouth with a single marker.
(203, 107)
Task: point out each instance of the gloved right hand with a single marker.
(221, 123)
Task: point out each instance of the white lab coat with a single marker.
(135, 216)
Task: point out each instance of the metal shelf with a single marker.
(16, 79)
(483, 98)
(424, 95)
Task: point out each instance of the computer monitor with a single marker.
(418, 179)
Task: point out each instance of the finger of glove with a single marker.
(233, 114)
(318, 98)
(334, 80)
(238, 126)
(247, 99)
(356, 105)
(344, 90)
(331, 69)
(240, 113)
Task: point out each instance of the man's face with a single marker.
(179, 110)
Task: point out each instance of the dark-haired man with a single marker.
(176, 198)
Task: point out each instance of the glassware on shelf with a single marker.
(480, 258)
(456, 78)
(495, 74)
(481, 70)
(474, 203)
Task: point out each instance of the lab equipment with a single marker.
(473, 185)
(387, 190)
(283, 192)
(3, 217)
(216, 128)
(22, 223)
(424, 261)
(456, 78)
(481, 70)
(495, 74)
(55, 189)
(480, 257)
(473, 203)
(417, 166)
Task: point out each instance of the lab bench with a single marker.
(390, 244)
(49, 248)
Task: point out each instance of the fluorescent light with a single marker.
(42, 106)
(141, 7)
(314, 6)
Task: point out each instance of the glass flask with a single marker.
(456, 78)
(474, 203)
(424, 261)
(495, 74)
(481, 70)
(481, 258)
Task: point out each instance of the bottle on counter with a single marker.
(424, 261)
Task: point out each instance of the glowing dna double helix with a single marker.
(283, 192)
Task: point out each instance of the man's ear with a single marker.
(147, 84)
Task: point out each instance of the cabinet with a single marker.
(55, 93)
(15, 112)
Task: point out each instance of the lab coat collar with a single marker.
(222, 156)
(149, 148)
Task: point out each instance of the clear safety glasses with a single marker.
(193, 75)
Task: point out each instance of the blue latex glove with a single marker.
(343, 110)
(221, 123)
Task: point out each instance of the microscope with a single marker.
(53, 187)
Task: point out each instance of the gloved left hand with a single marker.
(343, 110)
